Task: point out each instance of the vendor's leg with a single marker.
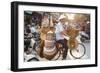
(65, 49)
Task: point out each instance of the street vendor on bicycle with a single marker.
(61, 28)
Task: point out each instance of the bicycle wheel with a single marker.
(79, 52)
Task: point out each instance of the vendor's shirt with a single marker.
(59, 28)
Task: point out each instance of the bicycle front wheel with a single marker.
(79, 52)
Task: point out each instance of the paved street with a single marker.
(69, 57)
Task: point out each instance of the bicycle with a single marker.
(77, 50)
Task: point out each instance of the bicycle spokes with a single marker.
(78, 52)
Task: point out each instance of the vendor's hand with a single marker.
(64, 33)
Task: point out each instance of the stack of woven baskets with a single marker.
(49, 46)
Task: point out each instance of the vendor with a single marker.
(60, 33)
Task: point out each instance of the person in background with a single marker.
(60, 33)
(33, 28)
(28, 28)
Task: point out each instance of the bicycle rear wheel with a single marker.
(79, 52)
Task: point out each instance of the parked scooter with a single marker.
(84, 37)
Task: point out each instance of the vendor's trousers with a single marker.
(63, 42)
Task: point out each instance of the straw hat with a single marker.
(62, 17)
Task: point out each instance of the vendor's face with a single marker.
(63, 21)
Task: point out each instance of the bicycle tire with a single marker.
(71, 52)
